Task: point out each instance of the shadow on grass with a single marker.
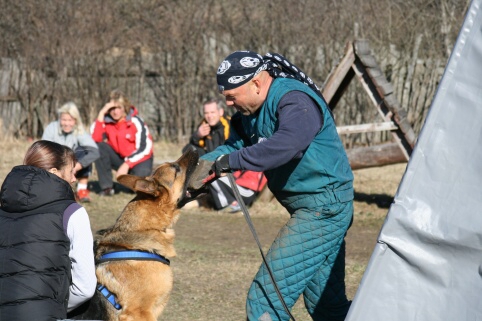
(381, 200)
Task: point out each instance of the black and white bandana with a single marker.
(237, 69)
(241, 66)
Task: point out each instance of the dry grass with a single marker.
(217, 255)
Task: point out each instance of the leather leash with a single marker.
(246, 215)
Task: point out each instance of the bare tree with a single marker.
(164, 54)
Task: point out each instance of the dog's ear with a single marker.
(139, 184)
(147, 186)
(128, 180)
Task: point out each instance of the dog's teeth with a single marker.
(188, 194)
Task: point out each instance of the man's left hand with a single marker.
(221, 165)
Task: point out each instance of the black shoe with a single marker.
(107, 192)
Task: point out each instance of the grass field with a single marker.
(217, 255)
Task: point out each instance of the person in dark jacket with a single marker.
(46, 262)
(290, 135)
(213, 129)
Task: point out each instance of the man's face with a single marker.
(212, 114)
(244, 98)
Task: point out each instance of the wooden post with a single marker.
(359, 61)
(339, 78)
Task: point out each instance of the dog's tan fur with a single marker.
(142, 288)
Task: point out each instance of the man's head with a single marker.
(243, 81)
(212, 111)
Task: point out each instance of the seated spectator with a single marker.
(213, 129)
(69, 130)
(211, 133)
(47, 263)
(249, 184)
(124, 142)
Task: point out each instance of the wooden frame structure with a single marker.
(358, 61)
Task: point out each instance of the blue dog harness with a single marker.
(126, 255)
(132, 255)
(109, 296)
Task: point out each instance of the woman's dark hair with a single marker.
(46, 155)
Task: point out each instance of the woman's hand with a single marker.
(123, 169)
(105, 110)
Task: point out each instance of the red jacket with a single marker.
(255, 181)
(130, 138)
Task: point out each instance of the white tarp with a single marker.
(427, 263)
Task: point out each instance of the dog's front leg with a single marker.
(136, 315)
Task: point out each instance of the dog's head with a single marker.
(168, 182)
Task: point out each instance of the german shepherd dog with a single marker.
(137, 286)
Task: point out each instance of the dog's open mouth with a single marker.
(191, 193)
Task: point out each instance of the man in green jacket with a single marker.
(288, 132)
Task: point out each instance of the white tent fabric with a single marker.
(427, 264)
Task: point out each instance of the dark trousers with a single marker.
(80, 153)
(109, 160)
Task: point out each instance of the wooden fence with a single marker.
(29, 97)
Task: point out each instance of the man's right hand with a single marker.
(203, 130)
